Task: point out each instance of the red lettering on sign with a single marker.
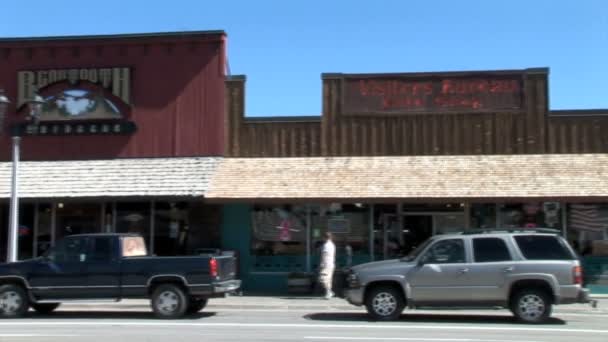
(452, 93)
(447, 87)
(363, 88)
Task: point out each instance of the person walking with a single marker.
(328, 264)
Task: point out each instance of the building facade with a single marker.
(147, 134)
(396, 158)
(131, 130)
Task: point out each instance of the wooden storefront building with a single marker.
(395, 158)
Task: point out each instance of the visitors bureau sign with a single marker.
(79, 101)
(432, 93)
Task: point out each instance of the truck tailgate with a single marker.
(226, 267)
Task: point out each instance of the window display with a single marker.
(587, 228)
(531, 215)
(483, 215)
(279, 230)
(349, 224)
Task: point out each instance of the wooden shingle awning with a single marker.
(581, 177)
(132, 177)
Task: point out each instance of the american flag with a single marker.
(589, 217)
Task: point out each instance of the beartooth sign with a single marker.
(91, 102)
(117, 80)
(77, 128)
(428, 93)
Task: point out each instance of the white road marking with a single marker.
(37, 335)
(372, 326)
(350, 338)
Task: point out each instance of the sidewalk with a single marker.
(290, 303)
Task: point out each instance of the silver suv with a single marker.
(527, 271)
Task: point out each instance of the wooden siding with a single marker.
(267, 137)
(532, 131)
(578, 133)
(177, 91)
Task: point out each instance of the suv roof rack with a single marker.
(511, 230)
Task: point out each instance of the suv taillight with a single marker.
(577, 274)
(213, 267)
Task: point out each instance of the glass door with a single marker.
(385, 228)
(417, 228)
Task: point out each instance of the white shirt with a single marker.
(328, 255)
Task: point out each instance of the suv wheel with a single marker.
(531, 306)
(169, 301)
(196, 305)
(13, 301)
(45, 308)
(384, 303)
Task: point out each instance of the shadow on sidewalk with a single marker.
(426, 318)
(111, 315)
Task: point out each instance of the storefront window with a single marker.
(587, 228)
(387, 231)
(133, 218)
(350, 227)
(278, 230)
(171, 228)
(483, 215)
(78, 218)
(448, 223)
(45, 226)
(349, 224)
(25, 231)
(531, 215)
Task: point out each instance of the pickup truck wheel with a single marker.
(531, 306)
(169, 301)
(13, 301)
(45, 308)
(384, 303)
(196, 305)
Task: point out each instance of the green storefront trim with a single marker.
(595, 270)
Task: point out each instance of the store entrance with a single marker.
(400, 234)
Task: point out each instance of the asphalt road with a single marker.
(301, 325)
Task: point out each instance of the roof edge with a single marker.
(299, 118)
(116, 36)
(236, 78)
(528, 71)
(578, 112)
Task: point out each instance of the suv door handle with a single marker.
(463, 270)
(508, 269)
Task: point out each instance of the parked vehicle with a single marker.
(527, 271)
(102, 267)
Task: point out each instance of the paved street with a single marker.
(299, 319)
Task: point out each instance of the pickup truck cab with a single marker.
(524, 270)
(111, 267)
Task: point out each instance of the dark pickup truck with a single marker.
(111, 267)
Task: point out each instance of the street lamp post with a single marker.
(35, 108)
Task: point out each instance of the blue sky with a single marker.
(283, 46)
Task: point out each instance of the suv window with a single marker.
(543, 248)
(445, 252)
(490, 250)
